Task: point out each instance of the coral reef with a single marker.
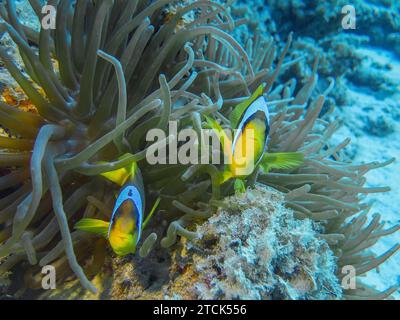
(374, 19)
(178, 62)
(255, 249)
(319, 32)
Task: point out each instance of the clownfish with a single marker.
(250, 122)
(124, 229)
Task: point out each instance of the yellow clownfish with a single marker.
(251, 124)
(126, 224)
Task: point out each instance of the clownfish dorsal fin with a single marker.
(121, 175)
(240, 109)
(93, 226)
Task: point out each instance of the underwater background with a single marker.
(365, 64)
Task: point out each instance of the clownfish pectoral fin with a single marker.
(238, 111)
(153, 209)
(93, 226)
(226, 142)
(281, 160)
(239, 186)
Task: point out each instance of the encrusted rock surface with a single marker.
(255, 249)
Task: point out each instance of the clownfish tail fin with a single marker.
(93, 226)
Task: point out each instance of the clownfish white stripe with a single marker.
(130, 192)
(258, 105)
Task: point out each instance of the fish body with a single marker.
(124, 229)
(125, 226)
(250, 121)
(250, 139)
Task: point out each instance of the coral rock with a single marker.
(256, 249)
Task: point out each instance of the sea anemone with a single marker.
(113, 70)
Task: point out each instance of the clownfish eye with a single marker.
(130, 193)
